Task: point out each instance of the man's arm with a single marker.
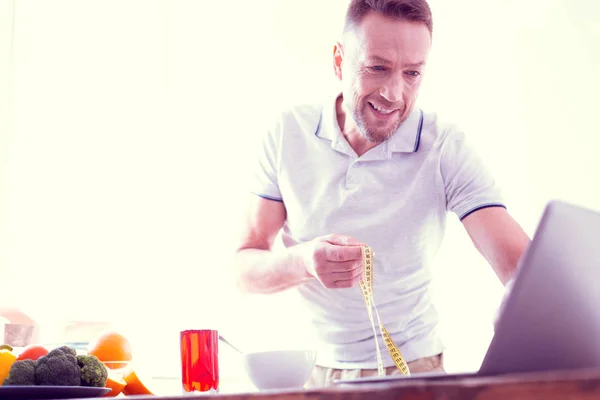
(334, 260)
(499, 238)
(258, 269)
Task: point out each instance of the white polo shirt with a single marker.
(395, 198)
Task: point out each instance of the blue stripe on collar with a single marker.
(418, 140)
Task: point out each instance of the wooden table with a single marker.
(578, 385)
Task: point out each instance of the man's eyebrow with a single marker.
(378, 60)
(415, 65)
(381, 60)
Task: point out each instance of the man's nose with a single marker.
(392, 89)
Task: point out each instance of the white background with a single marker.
(125, 129)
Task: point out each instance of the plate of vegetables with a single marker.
(50, 392)
(59, 374)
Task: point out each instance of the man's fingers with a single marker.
(344, 279)
(347, 275)
(350, 268)
(337, 253)
(342, 266)
(338, 261)
(347, 283)
(343, 240)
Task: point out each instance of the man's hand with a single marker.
(334, 260)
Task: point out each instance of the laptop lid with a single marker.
(551, 319)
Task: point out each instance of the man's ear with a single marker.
(338, 58)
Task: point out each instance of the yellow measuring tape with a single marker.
(366, 286)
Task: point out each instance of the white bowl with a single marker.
(280, 369)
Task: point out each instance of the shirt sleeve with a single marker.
(263, 175)
(468, 182)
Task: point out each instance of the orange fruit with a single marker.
(116, 365)
(111, 346)
(116, 383)
(134, 384)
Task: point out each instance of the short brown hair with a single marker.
(409, 10)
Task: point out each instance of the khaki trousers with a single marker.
(322, 376)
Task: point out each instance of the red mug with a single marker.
(200, 360)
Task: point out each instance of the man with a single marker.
(368, 167)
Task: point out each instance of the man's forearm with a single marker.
(264, 271)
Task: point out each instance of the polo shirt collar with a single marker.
(329, 128)
(405, 140)
(408, 136)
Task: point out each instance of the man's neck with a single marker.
(351, 132)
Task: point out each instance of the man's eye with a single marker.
(377, 68)
(413, 73)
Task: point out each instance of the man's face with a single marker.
(380, 65)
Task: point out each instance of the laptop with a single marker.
(551, 317)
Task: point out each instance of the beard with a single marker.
(370, 131)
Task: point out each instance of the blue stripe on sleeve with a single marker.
(264, 196)
(465, 215)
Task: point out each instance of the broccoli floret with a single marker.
(93, 372)
(22, 372)
(58, 368)
(63, 349)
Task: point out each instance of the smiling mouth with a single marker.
(382, 110)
